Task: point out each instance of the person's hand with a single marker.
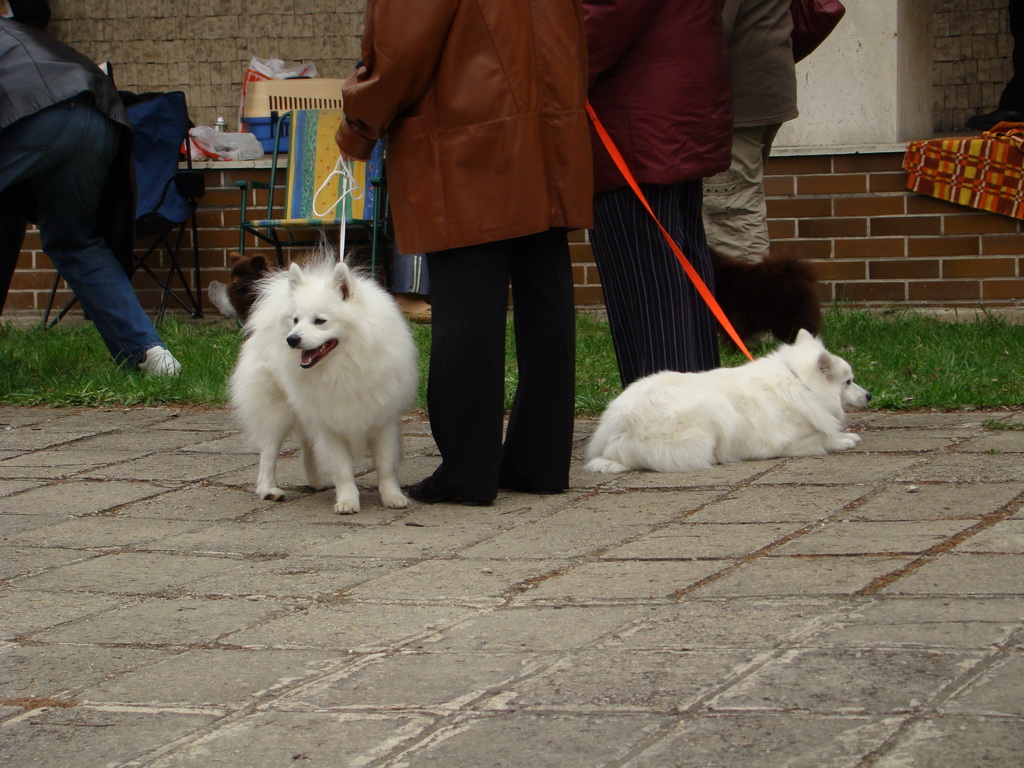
(349, 141)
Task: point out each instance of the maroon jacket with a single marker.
(660, 84)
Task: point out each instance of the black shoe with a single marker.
(989, 121)
(426, 491)
(511, 483)
(528, 489)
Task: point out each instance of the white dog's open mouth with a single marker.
(311, 357)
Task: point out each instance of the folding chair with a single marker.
(166, 198)
(309, 203)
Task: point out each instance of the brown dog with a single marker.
(778, 295)
(246, 271)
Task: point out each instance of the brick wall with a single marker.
(875, 243)
(872, 242)
(160, 46)
(972, 60)
(203, 48)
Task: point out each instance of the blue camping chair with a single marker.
(166, 198)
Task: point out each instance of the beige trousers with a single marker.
(735, 214)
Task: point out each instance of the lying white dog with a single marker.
(788, 403)
(330, 358)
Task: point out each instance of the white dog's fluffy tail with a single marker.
(601, 444)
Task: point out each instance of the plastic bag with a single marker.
(271, 69)
(220, 145)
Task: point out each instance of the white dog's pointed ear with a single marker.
(343, 280)
(803, 335)
(295, 275)
(825, 364)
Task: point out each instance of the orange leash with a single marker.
(692, 273)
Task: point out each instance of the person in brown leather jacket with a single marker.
(482, 103)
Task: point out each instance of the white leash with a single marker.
(349, 188)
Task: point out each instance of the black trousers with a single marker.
(465, 390)
(12, 235)
(1013, 94)
(658, 320)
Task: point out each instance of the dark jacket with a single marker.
(659, 83)
(37, 72)
(763, 71)
(482, 102)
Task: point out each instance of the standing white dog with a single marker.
(330, 358)
(788, 403)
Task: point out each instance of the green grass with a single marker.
(69, 366)
(911, 361)
(907, 360)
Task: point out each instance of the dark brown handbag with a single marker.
(813, 21)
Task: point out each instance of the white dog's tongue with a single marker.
(311, 357)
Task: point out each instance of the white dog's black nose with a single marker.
(294, 340)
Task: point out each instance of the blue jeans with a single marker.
(65, 152)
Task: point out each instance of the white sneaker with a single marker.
(159, 362)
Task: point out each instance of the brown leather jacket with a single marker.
(483, 106)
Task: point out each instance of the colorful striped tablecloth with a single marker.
(984, 172)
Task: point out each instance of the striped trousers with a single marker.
(658, 320)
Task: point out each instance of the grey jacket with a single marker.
(763, 73)
(37, 72)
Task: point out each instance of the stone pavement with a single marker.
(861, 609)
